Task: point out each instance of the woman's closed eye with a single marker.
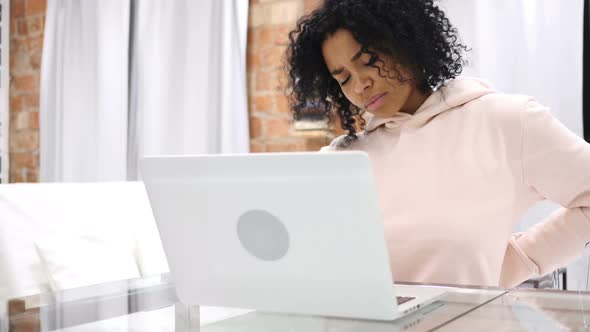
(345, 81)
(369, 63)
(372, 60)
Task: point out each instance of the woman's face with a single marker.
(360, 81)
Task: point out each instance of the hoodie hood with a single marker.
(454, 93)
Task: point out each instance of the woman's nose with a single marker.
(362, 84)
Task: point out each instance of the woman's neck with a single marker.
(415, 100)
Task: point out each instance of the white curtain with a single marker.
(83, 113)
(125, 78)
(191, 78)
(531, 47)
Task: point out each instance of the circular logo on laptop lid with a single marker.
(263, 235)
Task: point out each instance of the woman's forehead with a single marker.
(340, 46)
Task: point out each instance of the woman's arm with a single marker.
(556, 166)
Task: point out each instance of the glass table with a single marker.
(151, 304)
(530, 310)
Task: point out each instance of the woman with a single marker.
(456, 162)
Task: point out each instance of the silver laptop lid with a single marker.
(284, 232)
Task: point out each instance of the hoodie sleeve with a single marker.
(555, 166)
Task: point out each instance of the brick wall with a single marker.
(271, 129)
(26, 44)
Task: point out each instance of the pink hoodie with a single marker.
(455, 178)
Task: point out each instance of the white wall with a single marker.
(4, 95)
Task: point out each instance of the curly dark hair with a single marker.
(416, 34)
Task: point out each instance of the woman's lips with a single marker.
(375, 102)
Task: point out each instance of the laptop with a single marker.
(293, 233)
